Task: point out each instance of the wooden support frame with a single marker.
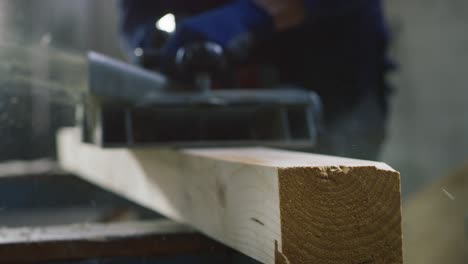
(84, 241)
(274, 206)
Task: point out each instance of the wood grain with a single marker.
(275, 206)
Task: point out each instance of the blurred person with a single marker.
(336, 48)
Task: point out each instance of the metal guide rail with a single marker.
(129, 106)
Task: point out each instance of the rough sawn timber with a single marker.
(275, 206)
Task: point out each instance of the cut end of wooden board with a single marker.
(340, 215)
(275, 206)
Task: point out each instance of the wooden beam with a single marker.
(84, 241)
(275, 206)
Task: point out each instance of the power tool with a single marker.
(129, 106)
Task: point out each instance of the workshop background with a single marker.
(427, 135)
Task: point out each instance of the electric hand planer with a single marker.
(129, 106)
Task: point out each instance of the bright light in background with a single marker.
(46, 39)
(138, 52)
(166, 23)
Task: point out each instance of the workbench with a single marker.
(45, 217)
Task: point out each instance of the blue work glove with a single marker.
(222, 26)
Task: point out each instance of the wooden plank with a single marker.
(28, 168)
(275, 206)
(433, 222)
(83, 241)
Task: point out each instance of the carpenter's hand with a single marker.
(286, 14)
(222, 26)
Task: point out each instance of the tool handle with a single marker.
(201, 57)
(198, 62)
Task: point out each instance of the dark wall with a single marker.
(429, 126)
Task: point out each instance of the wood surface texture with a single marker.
(435, 222)
(274, 206)
(84, 241)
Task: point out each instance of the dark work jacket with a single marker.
(340, 51)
